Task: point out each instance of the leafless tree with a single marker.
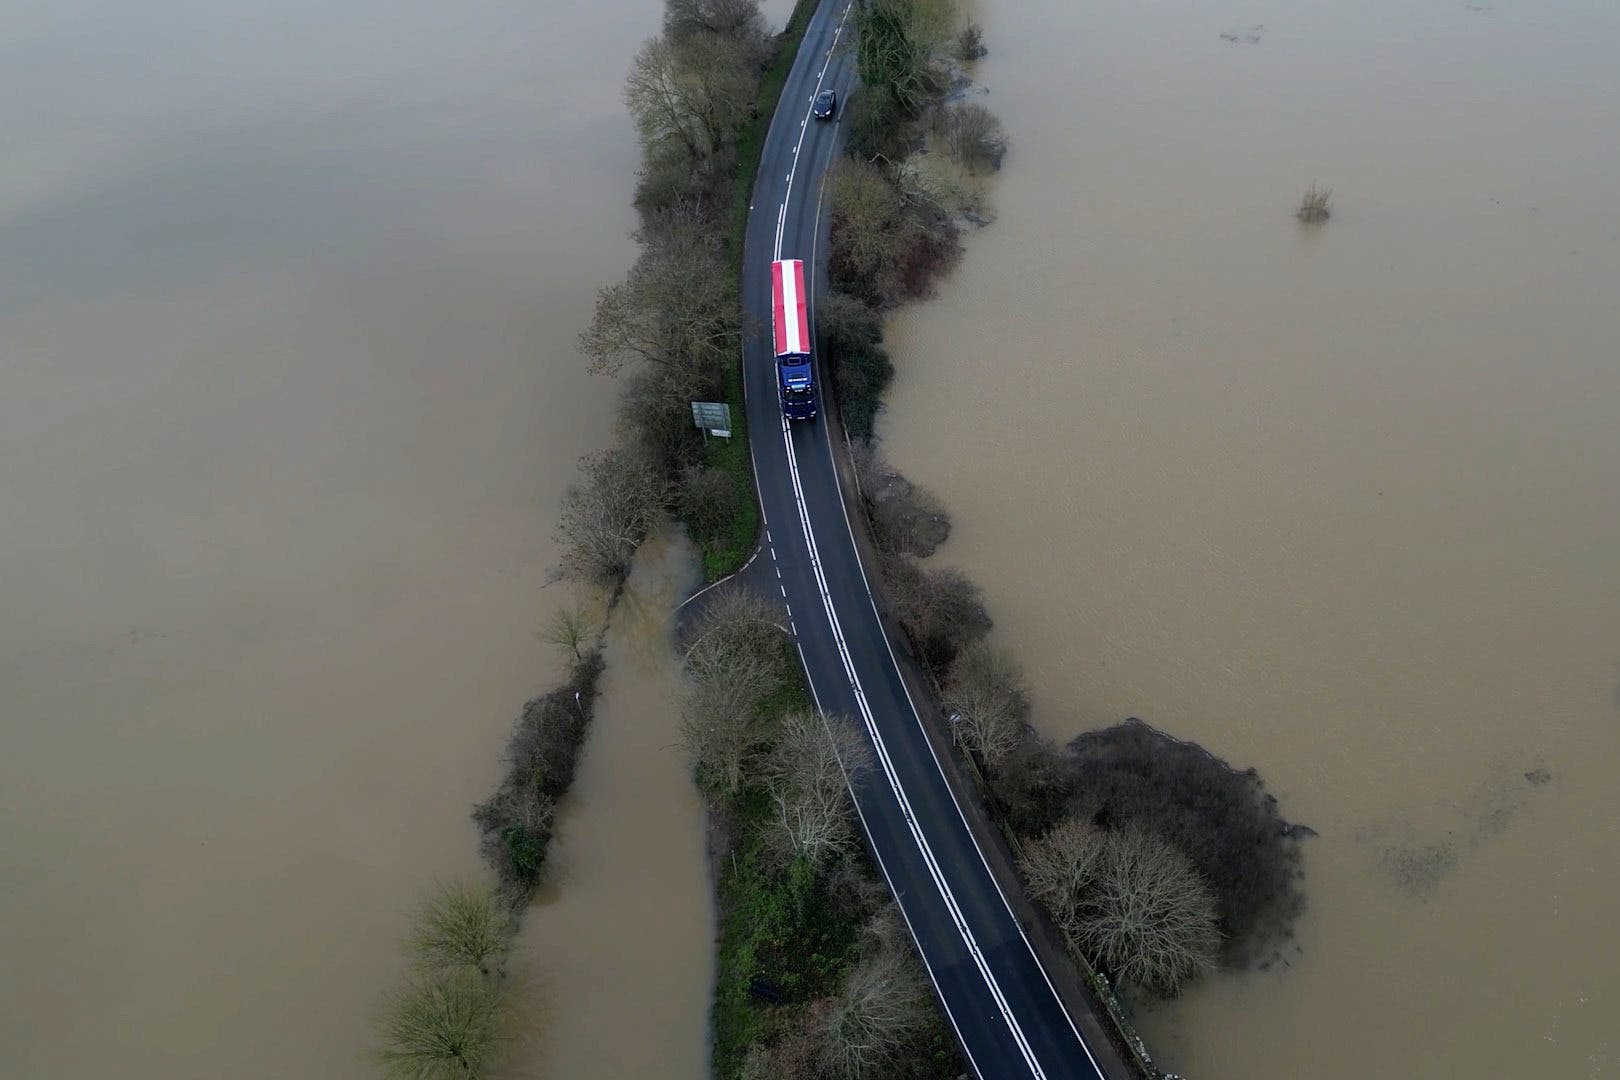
(1128, 901)
(884, 1008)
(737, 620)
(739, 20)
(677, 309)
(988, 702)
(444, 1026)
(693, 91)
(974, 136)
(608, 513)
(719, 730)
(871, 233)
(708, 501)
(462, 925)
(571, 630)
(806, 774)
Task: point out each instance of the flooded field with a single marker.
(1339, 503)
(288, 397)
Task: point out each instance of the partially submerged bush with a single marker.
(1316, 206)
(463, 926)
(941, 611)
(515, 823)
(970, 43)
(906, 519)
(974, 136)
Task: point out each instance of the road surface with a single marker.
(1006, 1013)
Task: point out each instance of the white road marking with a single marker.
(847, 660)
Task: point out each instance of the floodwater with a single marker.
(1342, 504)
(288, 396)
(622, 937)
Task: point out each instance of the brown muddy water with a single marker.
(1342, 504)
(288, 396)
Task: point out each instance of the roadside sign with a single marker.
(714, 417)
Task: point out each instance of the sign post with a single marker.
(714, 417)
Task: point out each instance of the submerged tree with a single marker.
(608, 513)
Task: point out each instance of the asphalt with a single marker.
(1007, 1016)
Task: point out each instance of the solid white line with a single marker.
(815, 564)
(810, 289)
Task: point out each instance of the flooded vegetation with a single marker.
(1334, 502)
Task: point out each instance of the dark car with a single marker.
(826, 104)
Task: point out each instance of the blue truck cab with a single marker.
(797, 381)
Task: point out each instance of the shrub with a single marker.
(884, 1009)
(974, 137)
(970, 43)
(940, 610)
(875, 127)
(906, 519)
(707, 502)
(1316, 206)
(515, 822)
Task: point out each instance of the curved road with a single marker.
(1006, 1013)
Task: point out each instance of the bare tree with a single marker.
(1128, 901)
(988, 702)
(608, 513)
(719, 731)
(884, 1009)
(974, 136)
(739, 20)
(1060, 869)
(571, 630)
(461, 925)
(677, 308)
(807, 775)
(736, 619)
(444, 1026)
(1150, 918)
(692, 91)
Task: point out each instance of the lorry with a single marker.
(795, 372)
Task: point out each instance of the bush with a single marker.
(1316, 206)
(940, 610)
(970, 43)
(974, 137)
(875, 127)
(515, 822)
(906, 519)
(707, 502)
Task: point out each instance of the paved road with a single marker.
(1001, 1003)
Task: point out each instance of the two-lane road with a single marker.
(1006, 1014)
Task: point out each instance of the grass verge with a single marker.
(731, 455)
